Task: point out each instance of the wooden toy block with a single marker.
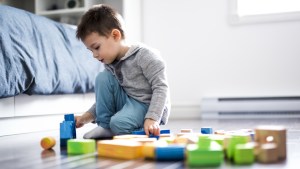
(204, 142)
(220, 132)
(244, 154)
(218, 138)
(66, 132)
(129, 136)
(142, 132)
(81, 146)
(186, 131)
(71, 117)
(172, 152)
(268, 153)
(144, 140)
(186, 139)
(165, 131)
(148, 150)
(48, 142)
(233, 141)
(165, 135)
(121, 149)
(249, 132)
(272, 134)
(67, 129)
(206, 130)
(204, 157)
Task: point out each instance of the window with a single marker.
(254, 11)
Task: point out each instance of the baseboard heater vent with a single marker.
(250, 107)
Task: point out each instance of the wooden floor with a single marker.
(24, 151)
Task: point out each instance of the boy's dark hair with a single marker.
(101, 19)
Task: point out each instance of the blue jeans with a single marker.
(114, 108)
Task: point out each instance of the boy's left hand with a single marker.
(151, 127)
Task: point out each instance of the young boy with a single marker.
(132, 93)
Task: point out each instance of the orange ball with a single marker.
(48, 142)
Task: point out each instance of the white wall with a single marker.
(208, 56)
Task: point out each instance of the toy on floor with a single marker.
(48, 142)
(272, 141)
(202, 149)
(206, 153)
(121, 149)
(67, 129)
(81, 146)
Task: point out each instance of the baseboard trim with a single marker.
(19, 125)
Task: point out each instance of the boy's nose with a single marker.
(95, 54)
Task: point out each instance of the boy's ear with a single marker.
(116, 34)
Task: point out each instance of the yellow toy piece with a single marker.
(120, 148)
(48, 142)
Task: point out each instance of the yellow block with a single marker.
(48, 142)
(149, 150)
(122, 149)
(129, 136)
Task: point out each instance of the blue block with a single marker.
(142, 132)
(63, 142)
(66, 130)
(170, 153)
(71, 117)
(206, 130)
(165, 132)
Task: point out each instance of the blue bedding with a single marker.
(41, 56)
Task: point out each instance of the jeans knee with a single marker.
(119, 126)
(102, 77)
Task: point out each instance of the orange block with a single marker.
(48, 142)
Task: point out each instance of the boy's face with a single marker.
(105, 49)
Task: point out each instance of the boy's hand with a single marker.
(79, 122)
(151, 127)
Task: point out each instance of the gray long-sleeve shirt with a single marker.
(142, 74)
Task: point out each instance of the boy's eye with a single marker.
(97, 47)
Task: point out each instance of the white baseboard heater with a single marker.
(250, 107)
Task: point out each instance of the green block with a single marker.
(204, 142)
(81, 146)
(218, 138)
(236, 139)
(198, 157)
(244, 154)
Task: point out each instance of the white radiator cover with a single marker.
(250, 107)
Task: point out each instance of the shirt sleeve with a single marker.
(92, 110)
(154, 70)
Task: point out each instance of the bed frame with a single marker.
(24, 113)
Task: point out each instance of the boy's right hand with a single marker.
(79, 121)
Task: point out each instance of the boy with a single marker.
(132, 92)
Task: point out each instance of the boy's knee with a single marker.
(119, 126)
(102, 77)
